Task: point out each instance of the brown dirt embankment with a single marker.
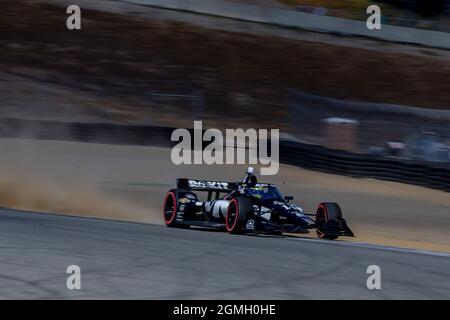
(235, 69)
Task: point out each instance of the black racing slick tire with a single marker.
(170, 208)
(327, 211)
(238, 212)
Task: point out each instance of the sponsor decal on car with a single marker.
(207, 184)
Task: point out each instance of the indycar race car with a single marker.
(248, 208)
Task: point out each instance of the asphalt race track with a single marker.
(143, 261)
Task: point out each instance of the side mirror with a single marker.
(288, 198)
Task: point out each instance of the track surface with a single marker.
(132, 260)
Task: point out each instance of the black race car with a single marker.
(240, 208)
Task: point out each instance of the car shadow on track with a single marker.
(264, 235)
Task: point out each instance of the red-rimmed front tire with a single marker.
(237, 214)
(327, 211)
(170, 208)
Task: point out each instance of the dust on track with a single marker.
(129, 183)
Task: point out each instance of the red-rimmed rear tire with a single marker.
(327, 211)
(170, 208)
(238, 211)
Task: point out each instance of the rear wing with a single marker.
(206, 185)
